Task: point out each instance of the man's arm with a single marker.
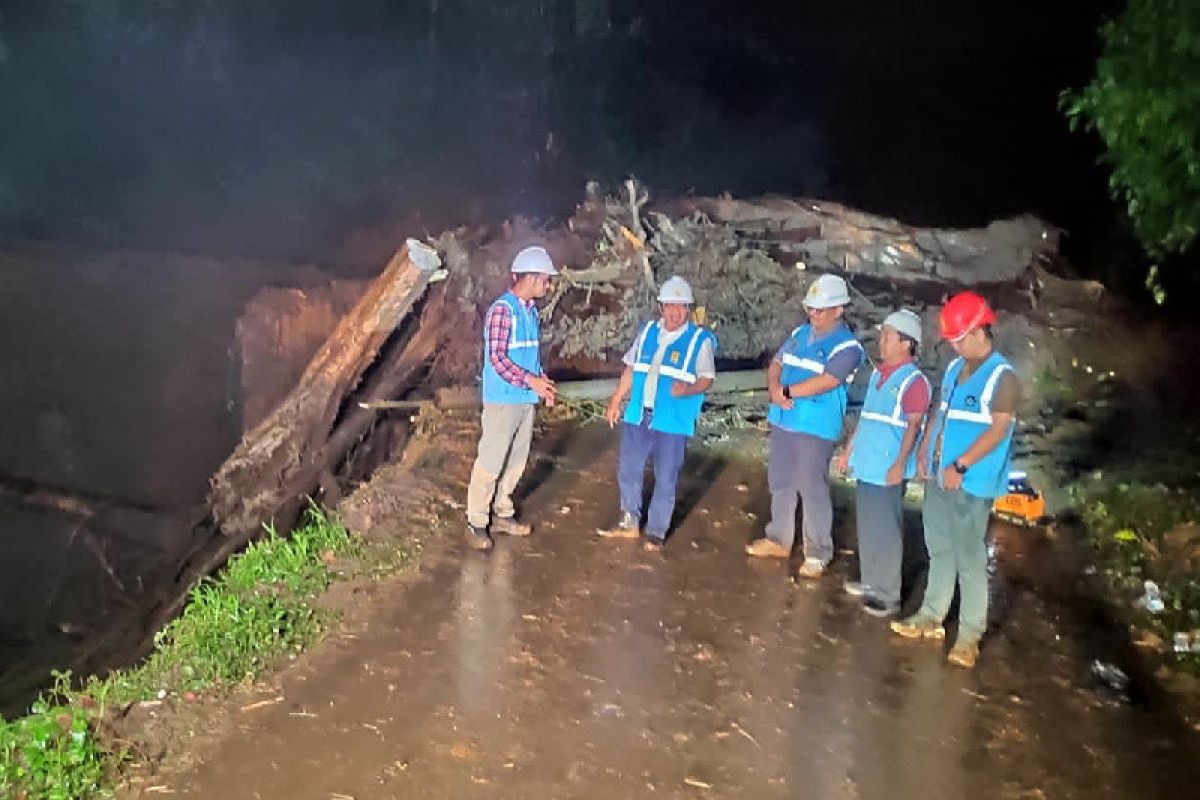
(1004, 410)
(837, 371)
(682, 389)
(706, 373)
(1004, 413)
(914, 404)
(988, 440)
(613, 412)
(774, 387)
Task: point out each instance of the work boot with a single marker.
(478, 538)
(918, 627)
(653, 544)
(812, 568)
(964, 654)
(510, 526)
(626, 528)
(767, 548)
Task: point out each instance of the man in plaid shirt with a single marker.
(498, 324)
(513, 384)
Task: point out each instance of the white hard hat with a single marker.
(906, 322)
(534, 259)
(676, 290)
(827, 291)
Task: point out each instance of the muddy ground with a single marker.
(565, 666)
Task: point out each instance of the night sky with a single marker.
(283, 128)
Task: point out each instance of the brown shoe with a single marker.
(812, 568)
(918, 627)
(652, 545)
(964, 654)
(510, 526)
(767, 548)
(626, 528)
(478, 538)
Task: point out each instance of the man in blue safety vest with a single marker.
(513, 383)
(964, 460)
(807, 385)
(668, 369)
(882, 457)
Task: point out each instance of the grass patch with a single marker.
(236, 626)
(1143, 531)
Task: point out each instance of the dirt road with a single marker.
(562, 666)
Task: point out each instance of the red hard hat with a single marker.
(963, 313)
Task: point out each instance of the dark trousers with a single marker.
(798, 470)
(639, 443)
(879, 511)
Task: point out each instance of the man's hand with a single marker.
(895, 474)
(543, 387)
(841, 464)
(951, 479)
(786, 403)
(613, 412)
(923, 464)
(679, 388)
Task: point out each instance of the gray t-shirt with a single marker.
(706, 362)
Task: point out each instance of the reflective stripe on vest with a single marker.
(897, 418)
(881, 428)
(963, 417)
(672, 414)
(819, 415)
(523, 347)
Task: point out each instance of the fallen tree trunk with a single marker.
(279, 462)
(284, 460)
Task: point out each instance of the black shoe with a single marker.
(878, 608)
(478, 538)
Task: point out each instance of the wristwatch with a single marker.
(959, 467)
(787, 392)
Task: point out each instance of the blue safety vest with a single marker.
(522, 349)
(670, 414)
(820, 415)
(962, 416)
(881, 426)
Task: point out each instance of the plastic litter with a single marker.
(1151, 598)
(1111, 676)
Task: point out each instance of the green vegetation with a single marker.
(1144, 531)
(259, 610)
(52, 752)
(1144, 102)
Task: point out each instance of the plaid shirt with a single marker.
(499, 330)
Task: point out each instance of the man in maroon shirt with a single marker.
(880, 458)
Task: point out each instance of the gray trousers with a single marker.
(503, 452)
(799, 469)
(879, 511)
(956, 537)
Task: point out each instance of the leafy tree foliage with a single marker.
(1144, 102)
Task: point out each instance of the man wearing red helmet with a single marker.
(964, 460)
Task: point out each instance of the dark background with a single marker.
(286, 128)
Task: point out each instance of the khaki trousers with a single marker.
(503, 452)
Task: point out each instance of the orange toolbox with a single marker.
(1023, 503)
